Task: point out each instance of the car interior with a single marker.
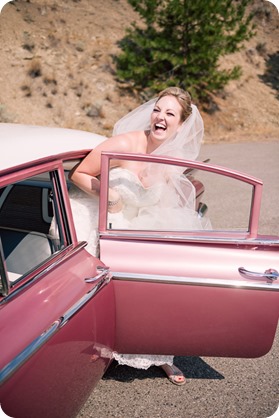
(26, 214)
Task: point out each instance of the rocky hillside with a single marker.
(56, 68)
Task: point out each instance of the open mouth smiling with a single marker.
(159, 126)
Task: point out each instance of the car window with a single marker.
(30, 227)
(215, 201)
(228, 200)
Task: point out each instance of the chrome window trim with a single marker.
(59, 209)
(5, 283)
(194, 281)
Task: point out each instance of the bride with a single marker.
(153, 196)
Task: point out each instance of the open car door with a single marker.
(212, 292)
(56, 300)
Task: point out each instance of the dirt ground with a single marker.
(56, 69)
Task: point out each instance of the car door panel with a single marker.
(186, 292)
(75, 354)
(57, 310)
(179, 301)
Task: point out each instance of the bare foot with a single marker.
(174, 374)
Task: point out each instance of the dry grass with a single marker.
(56, 68)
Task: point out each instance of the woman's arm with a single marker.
(86, 182)
(85, 174)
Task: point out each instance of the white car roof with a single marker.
(20, 144)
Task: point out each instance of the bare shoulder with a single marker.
(132, 142)
(136, 141)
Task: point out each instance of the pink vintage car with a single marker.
(75, 287)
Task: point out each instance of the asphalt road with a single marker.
(215, 387)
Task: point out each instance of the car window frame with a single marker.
(63, 214)
(222, 237)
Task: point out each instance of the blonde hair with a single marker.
(183, 98)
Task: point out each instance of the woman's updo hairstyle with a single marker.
(183, 98)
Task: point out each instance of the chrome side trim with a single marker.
(184, 238)
(197, 281)
(104, 280)
(7, 371)
(25, 354)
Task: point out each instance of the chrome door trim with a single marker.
(187, 237)
(7, 371)
(194, 281)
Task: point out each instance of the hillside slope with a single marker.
(56, 68)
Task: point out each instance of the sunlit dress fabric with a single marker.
(148, 208)
(158, 206)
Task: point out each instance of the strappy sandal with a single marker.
(174, 375)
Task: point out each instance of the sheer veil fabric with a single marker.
(185, 144)
(176, 194)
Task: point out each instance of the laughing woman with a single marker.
(168, 125)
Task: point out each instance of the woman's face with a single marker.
(165, 118)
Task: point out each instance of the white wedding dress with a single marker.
(159, 198)
(153, 207)
(157, 206)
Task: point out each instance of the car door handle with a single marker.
(103, 271)
(269, 274)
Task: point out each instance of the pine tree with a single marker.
(181, 43)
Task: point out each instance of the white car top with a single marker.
(20, 144)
